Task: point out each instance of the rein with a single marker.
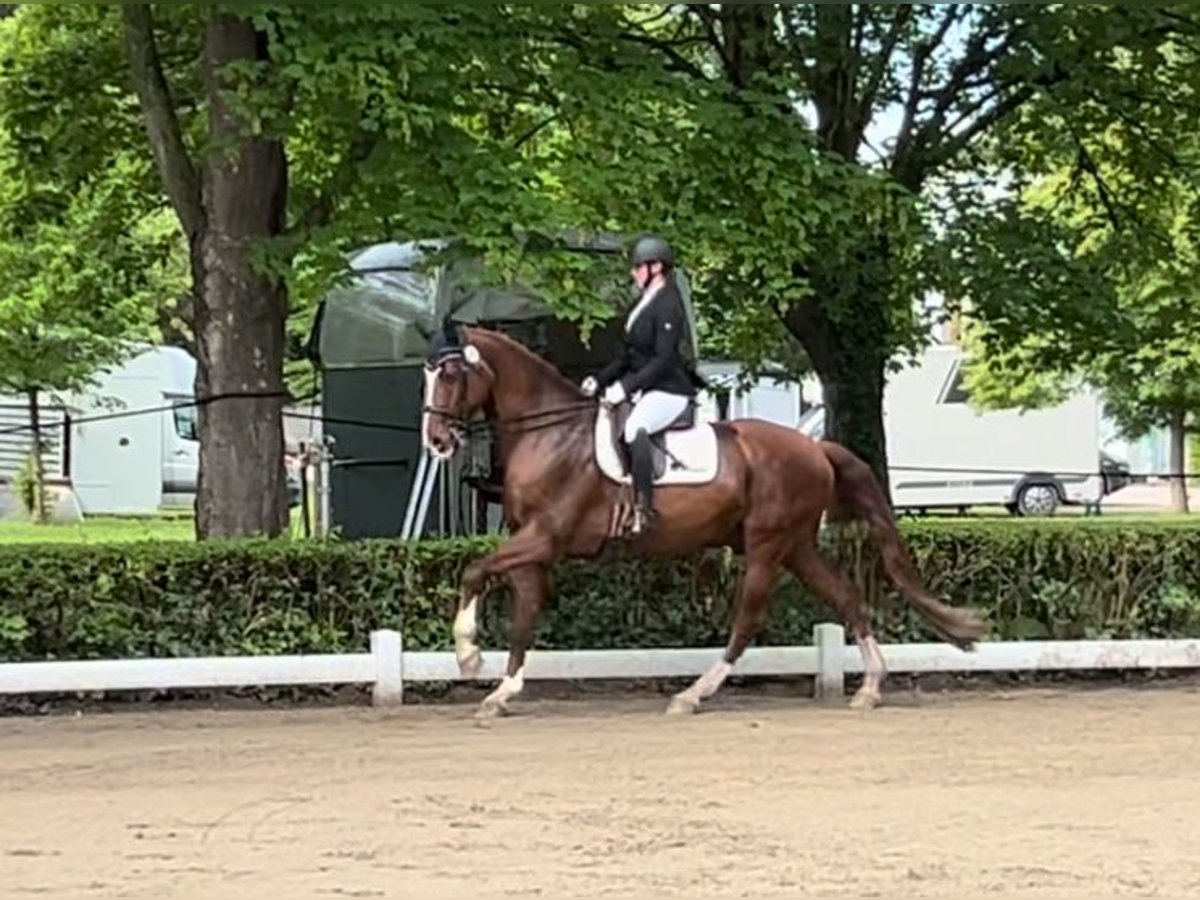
(559, 415)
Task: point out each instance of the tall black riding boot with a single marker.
(624, 456)
(643, 483)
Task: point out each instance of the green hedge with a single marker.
(1061, 579)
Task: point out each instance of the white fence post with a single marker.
(388, 649)
(830, 683)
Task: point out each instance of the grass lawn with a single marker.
(100, 531)
(112, 530)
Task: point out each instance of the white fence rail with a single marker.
(387, 668)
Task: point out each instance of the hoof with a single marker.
(470, 663)
(682, 706)
(492, 709)
(865, 700)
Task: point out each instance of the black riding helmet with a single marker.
(652, 248)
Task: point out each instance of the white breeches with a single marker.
(654, 412)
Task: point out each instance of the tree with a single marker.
(280, 134)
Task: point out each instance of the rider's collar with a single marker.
(642, 304)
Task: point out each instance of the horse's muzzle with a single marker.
(443, 442)
(442, 447)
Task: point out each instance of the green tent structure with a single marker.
(369, 343)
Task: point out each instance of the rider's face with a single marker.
(644, 274)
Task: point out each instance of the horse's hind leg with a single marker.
(839, 592)
(752, 606)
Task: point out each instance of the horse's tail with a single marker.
(860, 496)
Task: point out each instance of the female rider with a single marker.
(651, 370)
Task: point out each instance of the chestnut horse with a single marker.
(770, 488)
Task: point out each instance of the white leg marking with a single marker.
(497, 701)
(464, 623)
(874, 669)
(703, 688)
(712, 680)
(465, 649)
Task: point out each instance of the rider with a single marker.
(651, 370)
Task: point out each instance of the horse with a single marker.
(753, 486)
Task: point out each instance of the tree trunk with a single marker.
(1179, 485)
(240, 314)
(39, 511)
(854, 412)
(850, 363)
(849, 358)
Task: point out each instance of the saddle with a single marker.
(683, 453)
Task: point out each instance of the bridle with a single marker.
(433, 367)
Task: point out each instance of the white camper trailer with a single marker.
(113, 456)
(944, 454)
(137, 464)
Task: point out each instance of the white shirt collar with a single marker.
(642, 304)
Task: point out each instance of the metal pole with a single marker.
(431, 481)
(305, 499)
(324, 506)
(414, 495)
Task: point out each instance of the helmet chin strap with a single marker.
(655, 281)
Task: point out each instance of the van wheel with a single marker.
(1037, 499)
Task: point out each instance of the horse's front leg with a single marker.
(529, 546)
(466, 627)
(530, 589)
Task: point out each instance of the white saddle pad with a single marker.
(693, 455)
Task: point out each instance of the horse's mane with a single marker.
(546, 372)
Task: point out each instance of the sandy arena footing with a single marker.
(1030, 794)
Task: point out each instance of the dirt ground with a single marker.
(1026, 794)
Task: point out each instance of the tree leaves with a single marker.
(1122, 309)
(76, 284)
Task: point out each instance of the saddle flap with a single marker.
(684, 454)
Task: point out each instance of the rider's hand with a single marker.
(589, 386)
(615, 395)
